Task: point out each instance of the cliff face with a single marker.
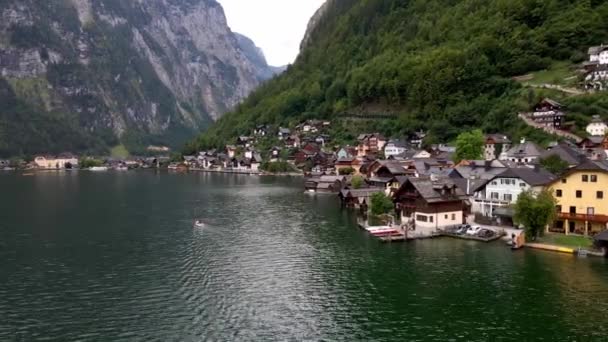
(110, 71)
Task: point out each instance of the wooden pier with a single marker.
(474, 238)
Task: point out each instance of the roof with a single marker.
(479, 172)
(526, 149)
(331, 179)
(594, 50)
(568, 154)
(592, 165)
(397, 143)
(498, 138)
(366, 192)
(430, 189)
(551, 102)
(472, 185)
(532, 176)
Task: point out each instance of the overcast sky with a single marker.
(277, 26)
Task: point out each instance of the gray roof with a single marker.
(331, 179)
(527, 149)
(499, 138)
(479, 172)
(594, 50)
(366, 192)
(431, 190)
(473, 185)
(532, 176)
(592, 165)
(397, 143)
(568, 154)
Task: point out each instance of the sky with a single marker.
(276, 26)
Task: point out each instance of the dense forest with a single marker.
(440, 65)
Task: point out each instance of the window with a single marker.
(421, 218)
(599, 195)
(494, 183)
(508, 197)
(431, 219)
(523, 185)
(558, 208)
(494, 195)
(590, 211)
(558, 193)
(564, 181)
(585, 178)
(572, 210)
(446, 216)
(453, 217)
(579, 194)
(593, 178)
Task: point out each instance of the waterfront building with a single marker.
(348, 163)
(430, 203)
(503, 189)
(62, 161)
(582, 196)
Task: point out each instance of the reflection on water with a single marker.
(116, 257)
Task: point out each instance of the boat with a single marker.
(98, 168)
(382, 230)
(199, 224)
(122, 168)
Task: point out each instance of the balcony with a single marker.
(583, 217)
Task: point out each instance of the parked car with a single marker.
(473, 230)
(462, 229)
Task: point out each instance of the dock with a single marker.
(472, 237)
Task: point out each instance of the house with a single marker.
(243, 141)
(348, 163)
(292, 141)
(260, 130)
(346, 152)
(565, 152)
(394, 147)
(275, 153)
(429, 204)
(284, 133)
(582, 194)
(417, 138)
(370, 144)
(548, 113)
(504, 189)
(495, 144)
(597, 127)
(255, 161)
(62, 161)
(358, 198)
(597, 66)
(326, 184)
(523, 153)
(249, 152)
(230, 151)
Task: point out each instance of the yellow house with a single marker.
(582, 196)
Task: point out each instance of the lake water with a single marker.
(115, 257)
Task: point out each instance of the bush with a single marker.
(381, 204)
(277, 167)
(346, 171)
(357, 182)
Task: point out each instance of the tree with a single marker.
(554, 164)
(469, 146)
(357, 182)
(346, 171)
(381, 204)
(535, 212)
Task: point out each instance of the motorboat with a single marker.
(199, 224)
(99, 168)
(382, 230)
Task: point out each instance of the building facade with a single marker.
(597, 127)
(582, 196)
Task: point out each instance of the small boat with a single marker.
(199, 224)
(382, 230)
(122, 168)
(99, 168)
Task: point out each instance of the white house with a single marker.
(63, 161)
(393, 148)
(504, 189)
(524, 153)
(597, 127)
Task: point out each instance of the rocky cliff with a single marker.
(90, 74)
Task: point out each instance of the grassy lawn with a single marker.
(570, 241)
(559, 73)
(119, 151)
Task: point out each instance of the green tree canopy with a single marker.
(469, 145)
(535, 211)
(381, 204)
(554, 164)
(357, 182)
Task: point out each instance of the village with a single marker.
(430, 190)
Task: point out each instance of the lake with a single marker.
(115, 257)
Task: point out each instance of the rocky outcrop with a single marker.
(142, 70)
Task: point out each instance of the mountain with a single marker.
(86, 75)
(441, 65)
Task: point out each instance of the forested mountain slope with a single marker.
(85, 75)
(441, 65)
